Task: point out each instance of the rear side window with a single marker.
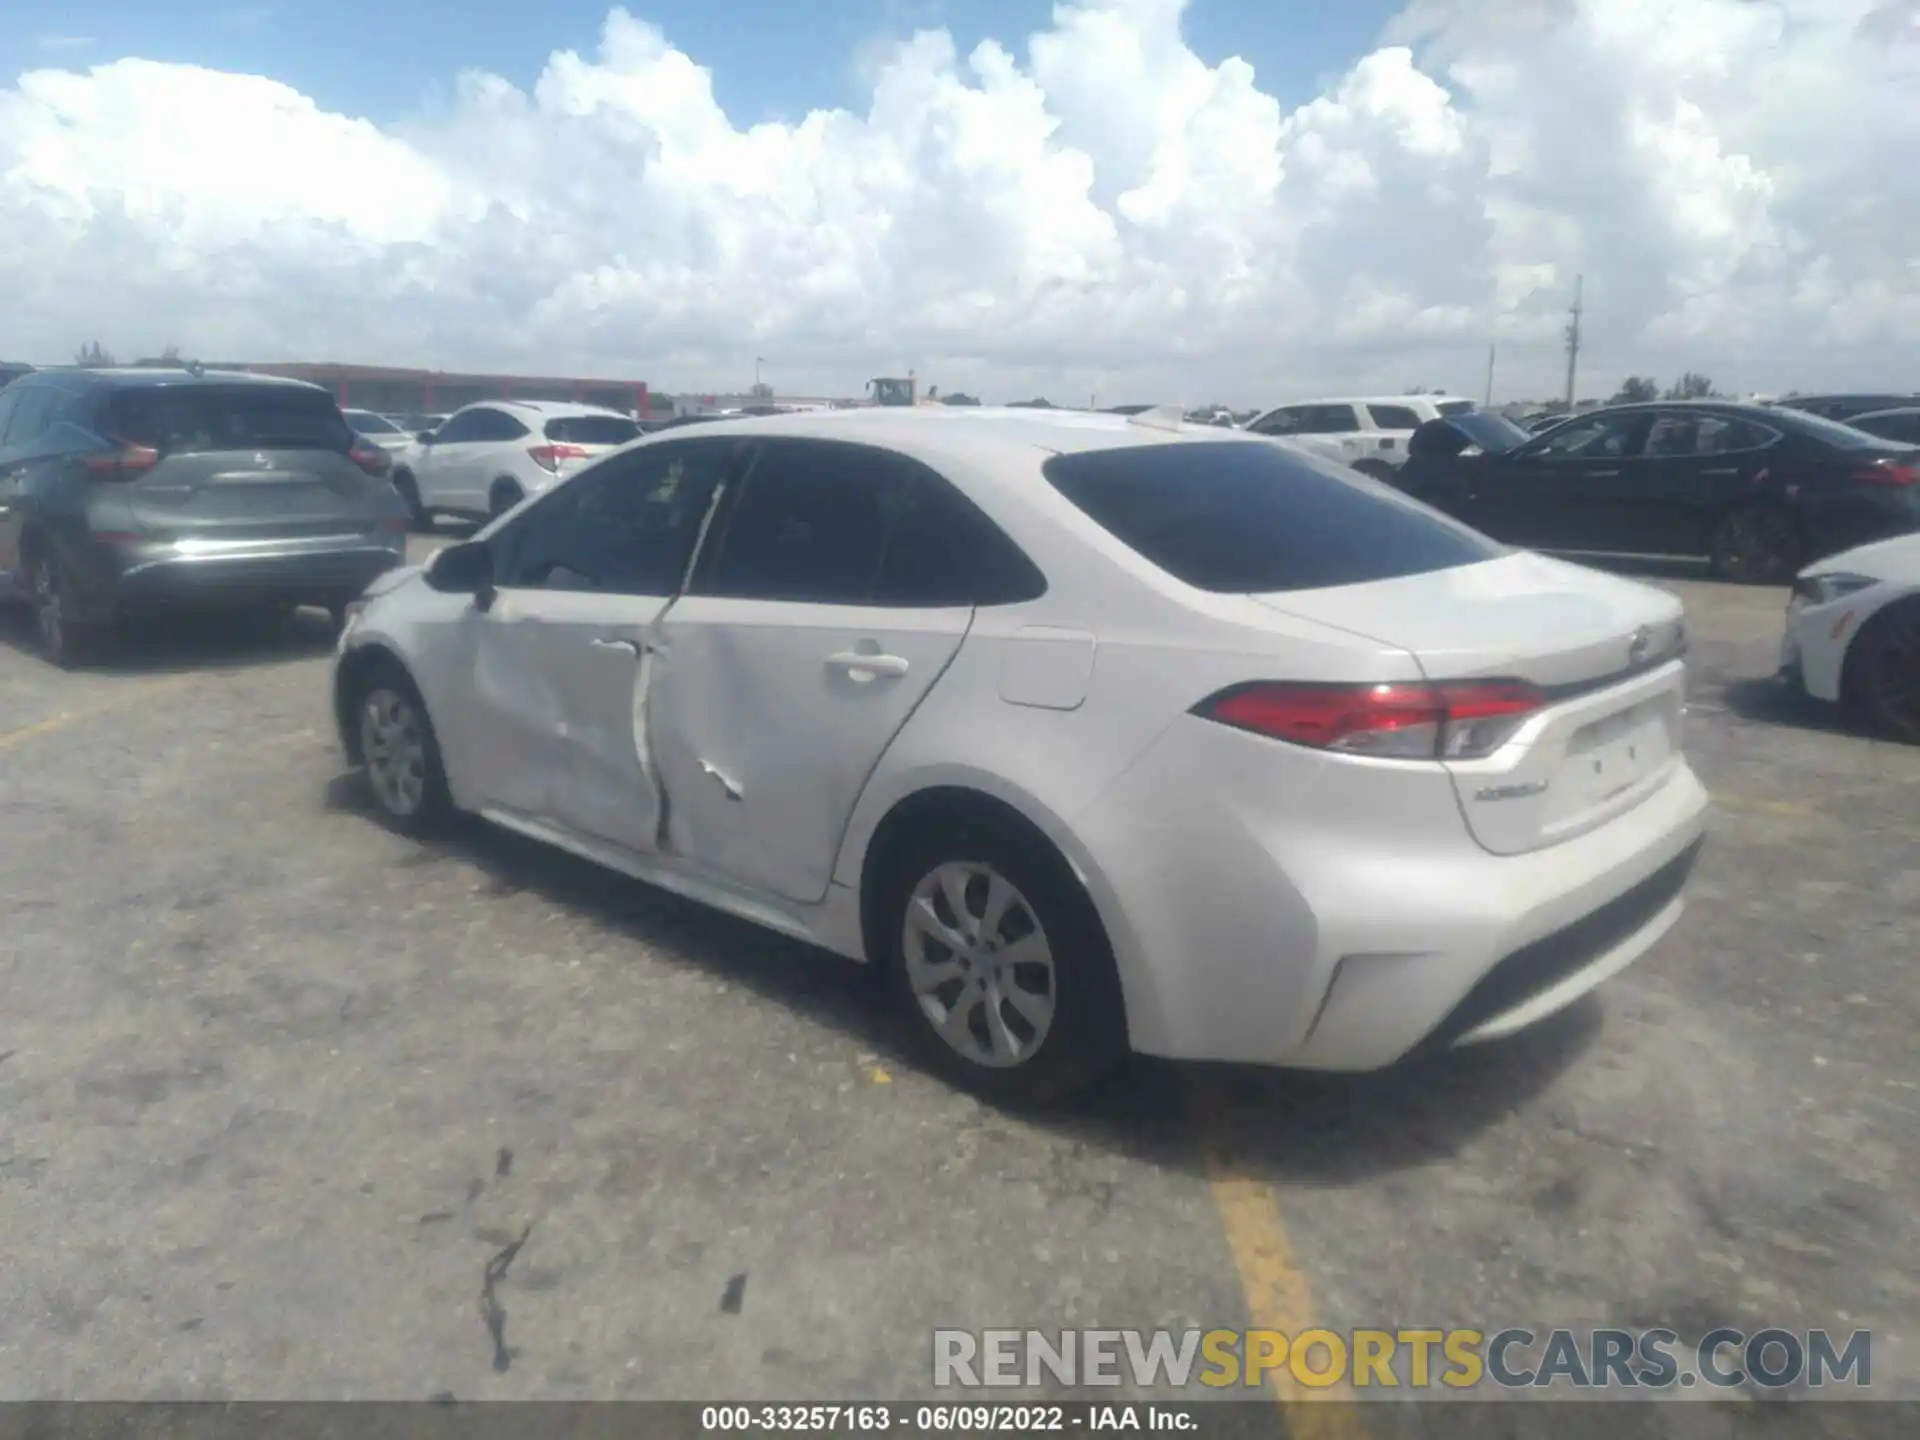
(1328, 420)
(1393, 417)
(1454, 407)
(839, 524)
(189, 419)
(1242, 518)
(591, 430)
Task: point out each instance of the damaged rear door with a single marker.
(567, 654)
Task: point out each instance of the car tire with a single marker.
(1883, 672)
(1045, 974)
(418, 519)
(399, 751)
(505, 494)
(61, 641)
(1758, 545)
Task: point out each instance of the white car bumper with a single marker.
(1265, 913)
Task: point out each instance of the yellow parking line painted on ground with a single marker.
(1276, 1289)
(11, 738)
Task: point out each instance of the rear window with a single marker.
(1246, 518)
(592, 430)
(368, 423)
(183, 419)
(1833, 434)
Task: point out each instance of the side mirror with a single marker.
(465, 569)
(425, 437)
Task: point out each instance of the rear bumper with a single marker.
(1266, 910)
(325, 571)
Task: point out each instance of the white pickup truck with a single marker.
(1369, 434)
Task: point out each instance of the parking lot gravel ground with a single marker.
(291, 1107)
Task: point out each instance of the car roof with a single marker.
(550, 409)
(153, 377)
(983, 439)
(1375, 400)
(1883, 414)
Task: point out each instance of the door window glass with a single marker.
(835, 523)
(1603, 437)
(1394, 417)
(462, 427)
(1280, 422)
(30, 416)
(625, 527)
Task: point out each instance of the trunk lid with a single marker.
(1604, 651)
(240, 461)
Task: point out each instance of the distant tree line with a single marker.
(1639, 389)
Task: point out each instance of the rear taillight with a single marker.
(1888, 472)
(1454, 720)
(548, 457)
(370, 458)
(122, 464)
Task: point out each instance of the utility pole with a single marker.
(1490, 355)
(1573, 339)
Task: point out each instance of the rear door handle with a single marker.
(627, 645)
(853, 663)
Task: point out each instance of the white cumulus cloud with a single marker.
(1094, 208)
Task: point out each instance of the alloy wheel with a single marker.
(393, 744)
(979, 964)
(1891, 669)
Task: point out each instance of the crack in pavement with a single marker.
(491, 1310)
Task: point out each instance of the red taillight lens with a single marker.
(1456, 720)
(1888, 472)
(122, 464)
(548, 457)
(370, 458)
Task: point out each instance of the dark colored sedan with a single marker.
(135, 489)
(1758, 492)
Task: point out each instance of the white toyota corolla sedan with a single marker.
(1094, 733)
(1853, 634)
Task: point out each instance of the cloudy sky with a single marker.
(1142, 200)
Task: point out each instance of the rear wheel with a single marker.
(400, 752)
(503, 497)
(999, 963)
(1884, 671)
(62, 640)
(1758, 545)
(409, 489)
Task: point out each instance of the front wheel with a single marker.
(1758, 545)
(1884, 669)
(401, 754)
(999, 964)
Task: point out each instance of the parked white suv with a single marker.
(489, 457)
(1092, 734)
(1369, 434)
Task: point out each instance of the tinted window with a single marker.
(1903, 425)
(1492, 433)
(1280, 422)
(465, 425)
(1831, 433)
(1603, 437)
(1328, 420)
(625, 527)
(186, 419)
(836, 523)
(32, 415)
(591, 430)
(495, 425)
(1454, 407)
(1235, 517)
(368, 423)
(1393, 417)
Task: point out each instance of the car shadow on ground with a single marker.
(1768, 700)
(180, 644)
(1312, 1129)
